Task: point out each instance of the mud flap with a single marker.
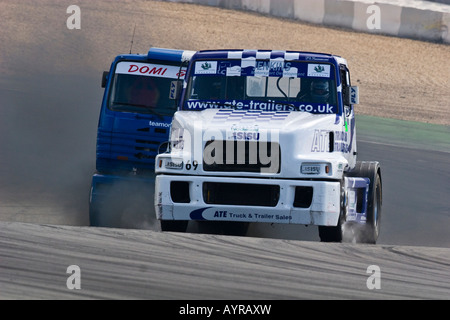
(356, 196)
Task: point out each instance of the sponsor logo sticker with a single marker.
(149, 70)
(206, 67)
(319, 70)
(173, 164)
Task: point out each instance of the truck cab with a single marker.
(263, 136)
(135, 119)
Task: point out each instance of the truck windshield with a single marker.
(265, 85)
(143, 88)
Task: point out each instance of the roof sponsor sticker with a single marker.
(233, 71)
(150, 70)
(206, 67)
(262, 68)
(319, 70)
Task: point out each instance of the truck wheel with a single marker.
(331, 234)
(368, 232)
(93, 217)
(104, 214)
(334, 234)
(93, 212)
(104, 218)
(174, 226)
(374, 215)
(360, 233)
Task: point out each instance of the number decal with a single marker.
(190, 166)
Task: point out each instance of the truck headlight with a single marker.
(169, 163)
(310, 168)
(174, 164)
(315, 168)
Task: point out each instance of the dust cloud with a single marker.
(50, 98)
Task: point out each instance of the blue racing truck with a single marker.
(135, 119)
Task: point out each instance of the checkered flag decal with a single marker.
(249, 116)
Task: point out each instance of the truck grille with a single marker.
(242, 156)
(125, 152)
(241, 194)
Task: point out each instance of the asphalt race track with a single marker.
(48, 121)
(138, 264)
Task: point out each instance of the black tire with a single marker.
(105, 212)
(174, 225)
(333, 234)
(369, 232)
(104, 217)
(123, 205)
(352, 232)
(93, 216)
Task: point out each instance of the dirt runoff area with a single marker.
(398, 78)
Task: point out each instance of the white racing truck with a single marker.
(268, 137)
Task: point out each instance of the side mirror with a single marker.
(105, 78)
(175, 89)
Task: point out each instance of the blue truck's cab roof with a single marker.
(131, 130)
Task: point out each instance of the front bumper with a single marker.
(323, 209)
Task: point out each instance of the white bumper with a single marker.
(323, 210)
